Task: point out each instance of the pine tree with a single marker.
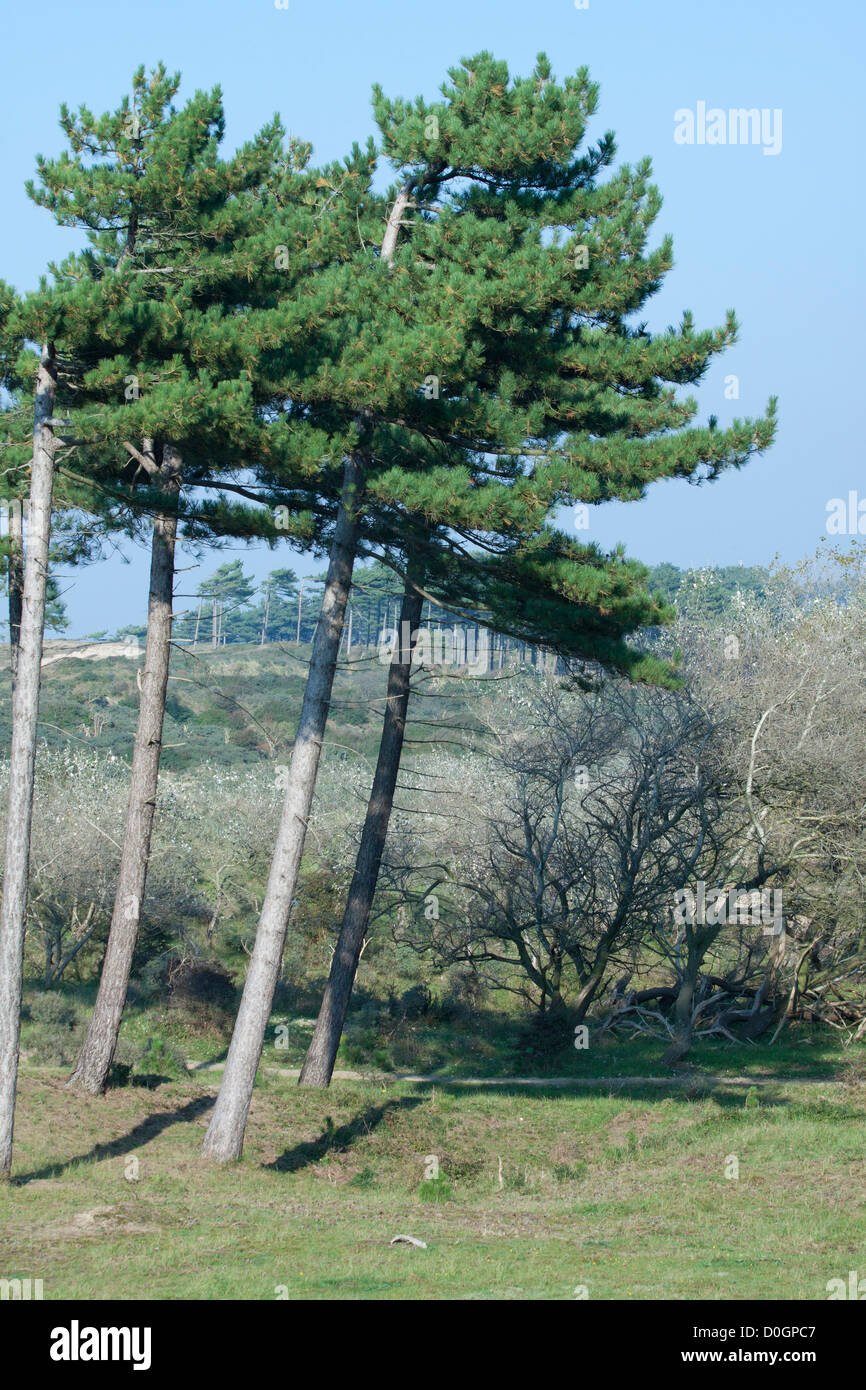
(228, 589)
(596, 635)
(25, 717)
(224, 1138)
(173, 306)
(481, 332)
(31, 591)
(165, 273)
(148, 321)
(71, 544)
(278, 606)
(13, 542)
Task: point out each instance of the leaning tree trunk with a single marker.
(15, 577)
(22, 761)
(94, 1063)
(225, 1136)
(321, 1055)
(267, 609)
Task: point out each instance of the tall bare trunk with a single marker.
(225, 1136)
(94, 1062)
(22, 764)
(15, 577)
(267, 609)
(321, 1055)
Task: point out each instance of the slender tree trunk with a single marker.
(300, 601)
(321, 1055)
(197, 621)
(225, 1136)
(94, 1062)
(265, 619)
(15, 576)
(22, 762)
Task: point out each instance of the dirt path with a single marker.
(292, 1073)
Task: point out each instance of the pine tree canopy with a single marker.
(490, 370)
(487, 372)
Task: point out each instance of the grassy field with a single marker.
(607, 1188)
(618, 1191)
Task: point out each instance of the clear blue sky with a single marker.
(777, 237)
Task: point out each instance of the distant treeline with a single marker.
(230, 608)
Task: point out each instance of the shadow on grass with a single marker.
(334, 1140)
(142, 1133)
(726, 1096)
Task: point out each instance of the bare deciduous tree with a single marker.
(591, 811)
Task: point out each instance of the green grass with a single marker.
(492, 1043)
(619, 1190)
